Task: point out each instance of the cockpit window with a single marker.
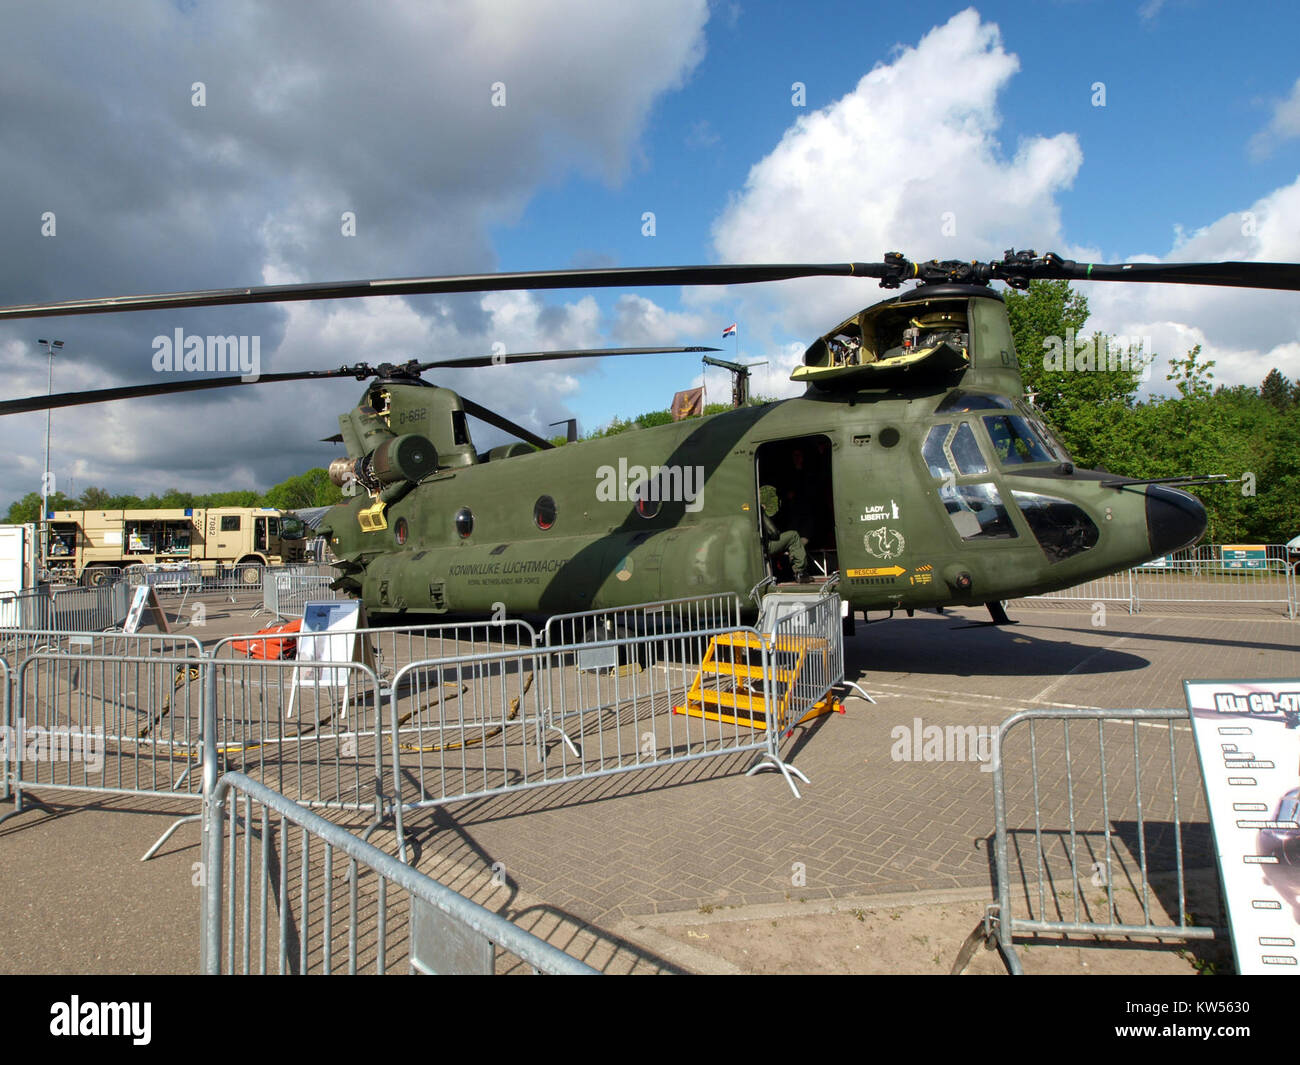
(1050, 440)
(1015, 440)
(966, 453)
(933, 453)
(960, 401)
(1061, 528)
(977, 511)
(961, 452)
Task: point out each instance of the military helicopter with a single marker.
(911, 470)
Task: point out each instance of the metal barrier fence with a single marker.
(475, 708)
(198, 576)
(68, 610)
(1200, 582)
(274, 904)
(7, 737)
(648, 695)
(1213, 553)
(311, 732)
(89, 609)
(1108, 824)
(119, 715)
(691, 614)
(285, 594)
(386, 649)
(1115, 588)
(1272, 583)
(25, 610)
(805, 647)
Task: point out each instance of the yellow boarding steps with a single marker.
(741, 705)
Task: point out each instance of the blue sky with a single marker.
(913, 114)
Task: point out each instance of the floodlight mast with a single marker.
(51, 348)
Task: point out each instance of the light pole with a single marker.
(51, 348)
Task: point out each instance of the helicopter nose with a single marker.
(1174, 519)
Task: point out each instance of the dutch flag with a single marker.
(730, 331)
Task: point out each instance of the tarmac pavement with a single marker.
(620, 869)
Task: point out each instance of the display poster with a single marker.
(1249, 746)
(145, 608)
(328, 635)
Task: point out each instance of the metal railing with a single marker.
(285, 593)
(805, 648)
(691, 614)
(1195, 581)
(1109, 823)
(289, 891)
(311, 731)
(1114, 588)
(473, 726)
(1212, 582)
(473, 709)
(115, 722)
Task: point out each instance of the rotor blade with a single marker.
(470, 361)
(501, 422)
(104, 395)
(1231, 274)
(628, 277)
(1019, 268)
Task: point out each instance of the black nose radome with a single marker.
(1174, 519)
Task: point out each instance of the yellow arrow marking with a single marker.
(881, 571)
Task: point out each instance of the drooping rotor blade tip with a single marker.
(624, 277)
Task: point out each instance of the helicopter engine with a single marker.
(407, 458)
(386, 464)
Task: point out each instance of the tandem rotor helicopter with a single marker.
(911, 467)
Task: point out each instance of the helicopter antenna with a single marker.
(570, 429)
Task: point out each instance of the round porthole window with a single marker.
(544, 512)
(400, 531)
(648, 502)
(464, 521)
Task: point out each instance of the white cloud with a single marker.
(310, 111)
(909, 160)
(1283, 125)
(1246, 331)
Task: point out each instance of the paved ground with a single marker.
(628, 871)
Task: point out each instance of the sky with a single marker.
(154, 147)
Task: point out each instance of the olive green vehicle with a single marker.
(925, 484)
(911, 467)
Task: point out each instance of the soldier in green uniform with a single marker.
(789, 541)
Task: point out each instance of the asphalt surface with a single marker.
(600, 867)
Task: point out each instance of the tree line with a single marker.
(1189, 426)
(310, 489)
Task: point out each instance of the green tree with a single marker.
(1277, 391)
(1192, 375)
(94, 499)
(29, 507)
(1082, 383)
(311, 489)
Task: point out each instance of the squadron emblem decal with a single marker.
(884, 542)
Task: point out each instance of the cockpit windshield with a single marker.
(1016, 440)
